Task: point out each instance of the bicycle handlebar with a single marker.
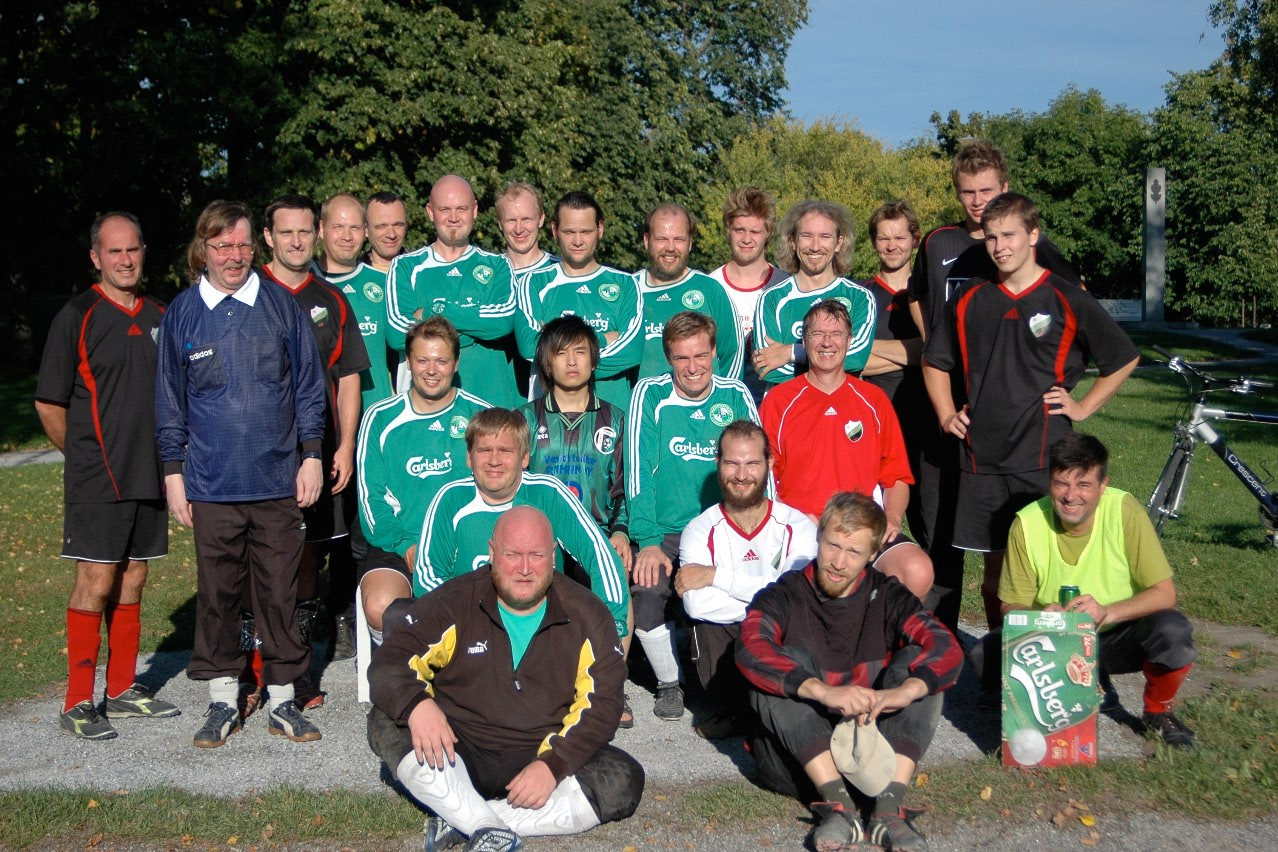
(1241, 384)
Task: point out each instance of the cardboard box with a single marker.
(1050, 696)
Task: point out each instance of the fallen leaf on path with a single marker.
(986, 793)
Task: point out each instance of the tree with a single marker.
(1218, 147)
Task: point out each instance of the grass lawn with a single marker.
(1226, 572)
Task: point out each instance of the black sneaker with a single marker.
(287, 720)
(441, 835)
(220, 721)
(1170, 729)
(836, 829)
(137, 700)
(84, 721)
(669, 703)
(895, 834)
(494, 840)
(720, 726)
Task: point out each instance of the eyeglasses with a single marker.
(225, 250)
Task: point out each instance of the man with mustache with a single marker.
(726, 555)
(831, 650)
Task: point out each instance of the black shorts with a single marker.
(113, 532)
(325, 519)
(895, 541)
(987, 503)
(376, 559)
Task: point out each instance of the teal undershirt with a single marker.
(520, 629)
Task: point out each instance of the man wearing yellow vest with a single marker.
(1086, 534)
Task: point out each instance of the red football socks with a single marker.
(1162, 685)
(124, 629)
(83, 642)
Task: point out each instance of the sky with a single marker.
(888, 66)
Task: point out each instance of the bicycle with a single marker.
(1169, 492)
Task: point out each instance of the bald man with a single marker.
(509, 737)
(468, 286)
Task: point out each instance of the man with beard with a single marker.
(466, 285)
(495, 698)
(726, 555)
(846, 667)
(669, 286)
(816, 249)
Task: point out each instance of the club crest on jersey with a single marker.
(319, 314)
(1039, 324)
(693, 299)
(605, 439)
(457, 426)
(854, 430)
(721, 414)
(482, 274)
(373, 292)
(438, 306)
(845, 302)
(422, 467)
(155, 334)
(609, 292)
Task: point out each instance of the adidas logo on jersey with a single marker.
(346, 288)
(697, 415)
(750, 556)
(584, 288)
(830, 412)
(134, 331)
(664, 297)
(454, 273)
(436, 427)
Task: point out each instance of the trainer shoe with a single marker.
(287, 720)
(137, 700)
(1169, 728)
(895, 834)
(84, 721)
(494, 840)
(836, 829)
(342, 638)
(440, 835)
(669, 703)
(220, 721)
(720, 726)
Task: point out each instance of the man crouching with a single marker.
(496, 695)
(846, 668)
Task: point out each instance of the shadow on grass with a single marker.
(20, 427)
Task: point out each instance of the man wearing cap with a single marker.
(844, 662)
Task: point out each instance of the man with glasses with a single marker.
(239, 410)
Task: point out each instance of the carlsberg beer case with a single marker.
(1050, 699)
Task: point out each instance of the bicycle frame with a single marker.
(1169, 492)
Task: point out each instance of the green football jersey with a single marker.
(365, 289)
(608, 300)
(695, 291)
(402, 459)
(475, 294)
(779, 316)
(670, 452)
(459, 524)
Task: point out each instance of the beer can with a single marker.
(1067, 594)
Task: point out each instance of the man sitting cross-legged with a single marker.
(831, 650)
(495, 697)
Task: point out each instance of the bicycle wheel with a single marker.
(1170, 489)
